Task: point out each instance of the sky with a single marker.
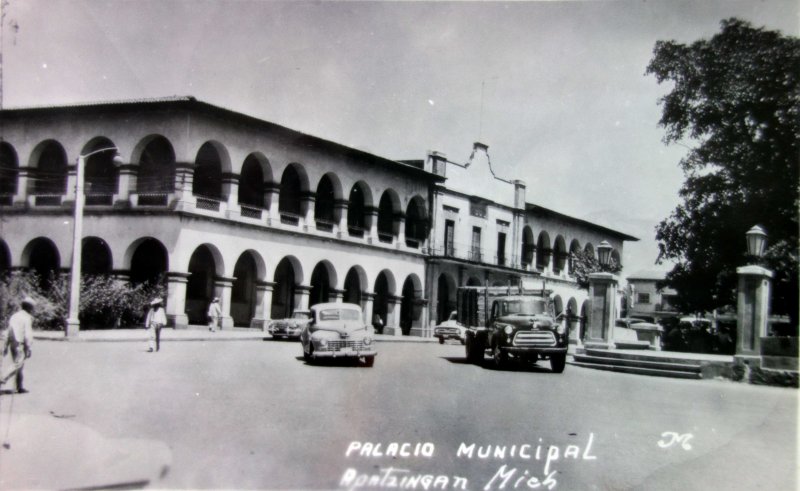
(556, 89)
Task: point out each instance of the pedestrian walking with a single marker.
(16, 340)
(214, 314)
(155, 320)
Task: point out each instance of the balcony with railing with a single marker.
(288, 218)
(249, 211)
(324, 225)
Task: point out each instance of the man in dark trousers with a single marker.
(16, 339)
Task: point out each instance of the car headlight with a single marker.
(323, 342)
(562, 327)
(367, 341)
(507, 328)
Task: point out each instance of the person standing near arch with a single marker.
(214, 315)
(155, 320)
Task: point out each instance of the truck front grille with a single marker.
(542, 339)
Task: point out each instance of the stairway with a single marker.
(639, 363)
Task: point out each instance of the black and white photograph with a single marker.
(399, 245)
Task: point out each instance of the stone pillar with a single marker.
(184, 177)
(752, 312)
(271, 201)
(421, 329)
(336, 295)
(20, 199)
(393, 317)
(222, 289)
(340, 207)
(367, 301)
(372, 224)
(176, 299)
(309, 198)
(603, 310)
(230, 189)
(72, 182)
(401, 229)
(263, 305)
(302, 293)
(127, 182)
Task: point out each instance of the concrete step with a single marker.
(639, 370)
(648, 356)
(659, 364)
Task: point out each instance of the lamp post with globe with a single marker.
(603, 302)
(752, 302)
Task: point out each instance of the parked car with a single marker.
(291, 327)
(450, 329)
(337, 330)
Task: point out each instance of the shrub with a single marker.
(105, 302)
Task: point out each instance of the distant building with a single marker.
(646, 300)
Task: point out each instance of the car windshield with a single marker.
(301, 315)
(339, 315)
(523, 307)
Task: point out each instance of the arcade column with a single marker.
(176, 299)
(263, 305)
(223, 288)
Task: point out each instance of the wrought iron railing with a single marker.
(152, 199)
(251, 212)
(289, 218)
(324, 225)
(99, 199)
(48, 199)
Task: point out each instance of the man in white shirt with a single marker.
(155, 320)
(16, 339)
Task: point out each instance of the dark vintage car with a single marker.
(290, 328)
(337, 330)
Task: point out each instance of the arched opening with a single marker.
(243, 291)
(50, 176)
(156, 177)
(95, 257)
(416, 225)
(572, 318)
(41, 256)
(583, 321)
(410, 307)
(574, 249)
(558, 304)
(9, 173)
(284, 291)
(352, 287)
(5, 258)
(357, 212)
(589, 249)
(473, 281)
(207, 181)
(200, 288)
(101, 174)
(380, 305)
(149, 263)
(543, 251)
(615, 258)
(445, 297)
(325, 205)
(290, 203)
(320, 285)
(387, 209)
(251, 183)
(527, 247)
(559, 255)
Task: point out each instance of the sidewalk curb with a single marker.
(139, 336)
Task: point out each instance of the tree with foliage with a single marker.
(735, 102)
(585, 263)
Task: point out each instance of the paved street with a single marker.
(253, 414)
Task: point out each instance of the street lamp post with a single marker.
(73, 323)
(602, 302)
(752, 302)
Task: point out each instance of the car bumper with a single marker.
(290, 333)
(447, 335)
(522, 351)
(344, 354)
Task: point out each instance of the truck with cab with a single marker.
(512, 325)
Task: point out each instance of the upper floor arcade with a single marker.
(187, 156)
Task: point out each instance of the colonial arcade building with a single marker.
(214, 203)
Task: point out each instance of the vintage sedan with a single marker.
(290, 328)
(450, 329)
(337, 330)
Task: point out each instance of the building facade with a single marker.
(214, 203)
(646, 300)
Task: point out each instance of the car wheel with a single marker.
(462, 341)
(498, 356)
(310, 356)
(557, 363)
(369, 361)
(441, 340)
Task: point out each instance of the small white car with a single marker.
(450, 329)
(337, 330)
